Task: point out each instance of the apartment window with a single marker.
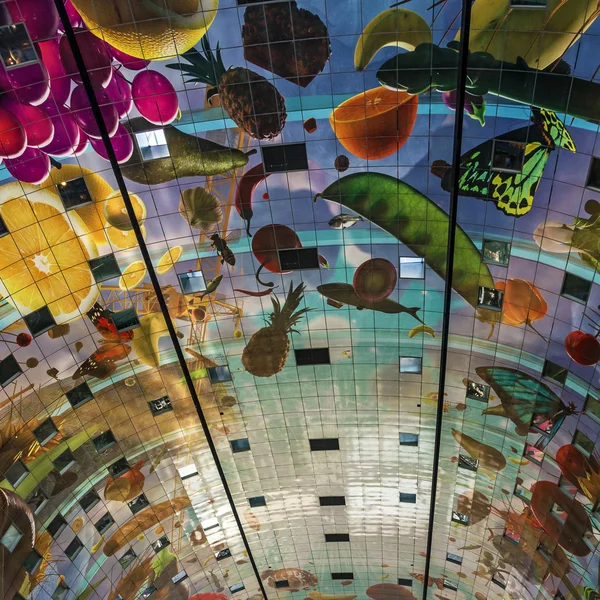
(523, 493)
(490, 298)
(593, 178)
(500, 580)
(559, 512)
(61, 592)
(405, 582)
(104, 441)
(209, 524)
(296, 259)
(16, 473)
(554, 372)
(126, 320)
(449, 585)
(219, 374)
(32, 561)
(454, 558)
(337, 537)
(104, 523)
(152, 144)
(411, 364)
(478, 391)
(36, 501)
(105, 268)
(9, 370)
(343, 575)
(56, 526)
(3, 228)
(127, 558)
(39, 321)
(64, 461)
(242, 445)
(148, 592)
(179, 577)
(160, 543)
(409, 439)
(238, 587)
(312, 356)
(412, 267)
(79, 395)
(282, 158)
(89, 500)
(460, 518)
(44, 432)
(283, 583)
(533, 454)
(160, 406)
(576, 288)
(74, 548)
(322, 444)
(583, 442)
(225, 553)
(592, 407)
(508, 156)
(408, 498)
(16, 48)
(468, 462)
(511, 535)
(192, 283)
(119, 467)
(257, 501)
(138, 504)
(11, 538)
(495, 252)
(528, 3)
(74, 193)
(187, 471)
(332, 500)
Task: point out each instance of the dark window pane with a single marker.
(593, 179)
(408, 498)
(74, 548)
(405, 582)
(592, 406)
(454, 558)
(160, 406)
(508, 156)
(32, 561)
(583, 441)
(104, 440)
(36, 501)
(238, 587)
(79, 395)
(312, 356)
(192, 283)
(225, 553)
(16, 48)
(478, 391)
(161, 543)
(468, 462)
(104, 268)
(44, 432)
(410, 364)
(242, 445)
(576, 288)
(89, 500)
(16, 473)
(299, 258)
(284, 583)
(257, 501)
(65, 461)
(119, 467)
(56, 526)
(219, 374)
(409, 439)
(9, 370)
(127, 558)
(138, 504)
(74, 193)
(495, 252)
(278, 158)
(343, 575)
(555, 372)
(321, 444)
(332, 500)
(490, 298)
(126, 320)
(104, 523)
(337, 537)
(39, 321)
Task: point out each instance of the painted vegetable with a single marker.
(583, 348)
(474, 504)
(415, 220)
(375, 280)
(389, 591)
(490, 459)
(200, 208)
(243, 193)
(126, 487)
(149, 517)
(431, 67)
(523, 303)
(474, 106)
(582, 471)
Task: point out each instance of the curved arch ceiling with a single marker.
(244, 340)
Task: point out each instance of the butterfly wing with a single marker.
(546, 438)
(101, 364)
(102, 320)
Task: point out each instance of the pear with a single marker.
(489, 458)
(147, 337)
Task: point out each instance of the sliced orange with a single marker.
(133, 275)
(168, 259)
(92, 214)
(44, 259)
(376, 123)
(123, 239)
(116, 214)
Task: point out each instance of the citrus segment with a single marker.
(123, 240)
(44, 261)
(133, 275)
(115, 211)
(376, 123)
(168, 259)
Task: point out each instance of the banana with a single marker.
(314, 595)
(421, 329)
(147, 336)
(394, 27)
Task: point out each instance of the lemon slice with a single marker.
(133, 275)
(168, 259)
(116, 214)
(123, 239)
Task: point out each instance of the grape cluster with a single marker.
(44, 109)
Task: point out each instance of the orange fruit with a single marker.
(376, 123)
(123, 240)
(133, 275)
(44, 259)
(168, 259)
(116, 214)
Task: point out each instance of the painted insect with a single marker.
(101, 363)
(223, 250)
(507, 169)
(530, 404)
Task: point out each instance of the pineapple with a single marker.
(289, 41)
(268, 349)
(249, 99)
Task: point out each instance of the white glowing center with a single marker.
(41, 263)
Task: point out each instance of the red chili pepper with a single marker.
(243, 194)
(255, 294)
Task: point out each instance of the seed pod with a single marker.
(200, 208)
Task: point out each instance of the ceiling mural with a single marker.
(298, 299)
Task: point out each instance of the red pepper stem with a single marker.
(268, 283)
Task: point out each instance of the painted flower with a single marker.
(523, 303)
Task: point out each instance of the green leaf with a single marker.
(89, 590)
(163, 559)
(587, 241)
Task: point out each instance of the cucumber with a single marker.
(420, 224)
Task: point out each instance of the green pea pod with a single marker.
(420, 224)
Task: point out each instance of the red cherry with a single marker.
(24, 339)
(583, 348)
(265, 196)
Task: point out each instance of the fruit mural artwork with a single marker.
(148, 378)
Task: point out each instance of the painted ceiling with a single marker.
(278, 321)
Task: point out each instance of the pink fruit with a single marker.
(30, 83)
(129, 62)
(119, 91)
(40, 17)
(583, 348)
(60, 82)
(155, 97)
(121, 142)
(13, 139)
(33, 166)
(82, 112)
(66, 131)
(36, 121)
(74, 17)
(95, 57)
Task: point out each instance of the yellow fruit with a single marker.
(237, 334)
(394, 27)
(133, 275)
(123, 239)
(92, 214)
(149, 29)
(168, 259)
(116, 214)
(43, 261)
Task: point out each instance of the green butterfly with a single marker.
(507, 169)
